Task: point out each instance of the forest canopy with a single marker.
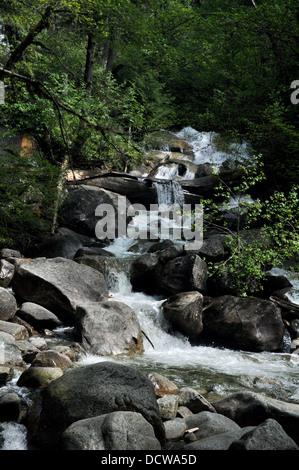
(89, 80)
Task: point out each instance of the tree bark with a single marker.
(89, 64)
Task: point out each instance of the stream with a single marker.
(214, 371)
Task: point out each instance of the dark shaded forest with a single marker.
(90, 81)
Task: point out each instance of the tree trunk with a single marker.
(89, 64)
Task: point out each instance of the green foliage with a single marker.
(27, 194)
(266, 233)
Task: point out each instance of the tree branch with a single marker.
(16, 55)
(42, 90)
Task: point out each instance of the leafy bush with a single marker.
(27, 193)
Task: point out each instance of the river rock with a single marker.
(10, 253)
(162, 385)
(101, 388)
(244, 323)
(28, 350)
(18, 332)
(251, 409)
(207, 423)
(214, 247)
(145, 273)
(168, 406)
(184, 312)
(166, 250)
(194, 401)
(61, 244)
(269, 435)
(6, 374)
(221, 441)
(51, 358)
(10, 354)
(59, 285)
(175, 428)
(35, 377)
(121, 430)
(8, 305)
(10, 407)
(38, 316)
(108, 328)
(7, 271)
(183, 274)
(78, 211)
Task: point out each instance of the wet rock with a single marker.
(38, 316)
(121, 430)
(10, 354)
(194, 401)
(175, 428)
(8, 305)
(183, 274)
(162, 385)
(244, 323)
(184, 312)
(28, 350)
(6, 374)
(10, 407)
(51, 358)
(18, 332)
(269, 435)
(35, 377)
(145, 273)
(251, 409)
(221, 441)
(59, 285)
(108, 328)
(78, 211)
(64, 245)
(103, 388)
(7, 271)
(168, 406)
(207, 424)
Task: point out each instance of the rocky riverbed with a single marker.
(56, 308)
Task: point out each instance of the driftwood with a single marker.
(285, 304)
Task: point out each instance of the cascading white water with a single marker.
(169, 193)
(205, 147)
(219, 370)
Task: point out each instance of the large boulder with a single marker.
(184, 273)
(121, 430)
(8, 305)
(244, 323)
(269, 435)
(145, 273)
(59, 285)
(89, 391)
(251, 409)
(78, 211)
(108, 328)
(184, 312)
(64, 244)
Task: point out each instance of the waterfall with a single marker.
(169, 192)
